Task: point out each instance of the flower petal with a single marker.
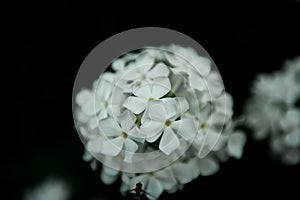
(109, 171)
(152, 129)
(95, 145)
(136, 135)
(201, 64)
(170, 105)
(144, 62)
(183, 172)
(113, 147)
(109, 127)
(102, 114)
(127, 120)
(103, 90)
(208, 142)
(156, 111)
(208, 166)
(130, 145)
(108, 179)
(182, 104)
(135, 104)
(169, 141)
(83, 96)
(196, 81)
(166, 178)
(293, 139)
(159, 90)
(159, 70)
(236, 143)
(186, 128)
(144, 92)
(154, 188)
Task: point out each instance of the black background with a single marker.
(243, 37)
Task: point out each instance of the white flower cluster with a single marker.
(167, 100)
(50, 189)
(273, 113)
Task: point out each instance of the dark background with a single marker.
(243, 37)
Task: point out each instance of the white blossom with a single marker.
(273, 112)
(169, 101)
(161, 119)
(49, 189)
(120, 135)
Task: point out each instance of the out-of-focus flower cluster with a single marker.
(170, 101)
(273, 113)
(49, 189)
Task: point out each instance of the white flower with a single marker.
(50, 189)
(143, 95)
(121, 136)
(155, 183)
(273, 112)
(236, 142)
(161, 118)
(158, 104)
(109, 175)
(188, 56)
(144, 71)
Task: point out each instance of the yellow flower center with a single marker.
(124, 135)
(168, 123)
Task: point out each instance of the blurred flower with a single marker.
(273, 112)
(50, 189)
(166, 100)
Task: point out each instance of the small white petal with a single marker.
(183, 172)
(108, 179)
(214, 84)
(87, 157)
(118, 64)
(182, 104)
(113, 147)
(83, 96)
(152, 129)
(108, 76)
(159, 70)
(236, 143)
(159, 90)
(103, 90)
(166, 178)
(154, 188)
(127, 120)
(208, 142)
(163, 81)
(117, 96)
(130, 145)
(109, 171)
(292, 157)
(89, 108)
(137, 135)
(95, 145)
(135, 104)
(144, 60)
(169, 141)
(185, 127)
(102, 114)
(170, 105)
(202, 65)
(109, 127)
(156, 111)
(196, 81)
(293, 139)
(93, 123)
(208, 166)
(144, 91)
